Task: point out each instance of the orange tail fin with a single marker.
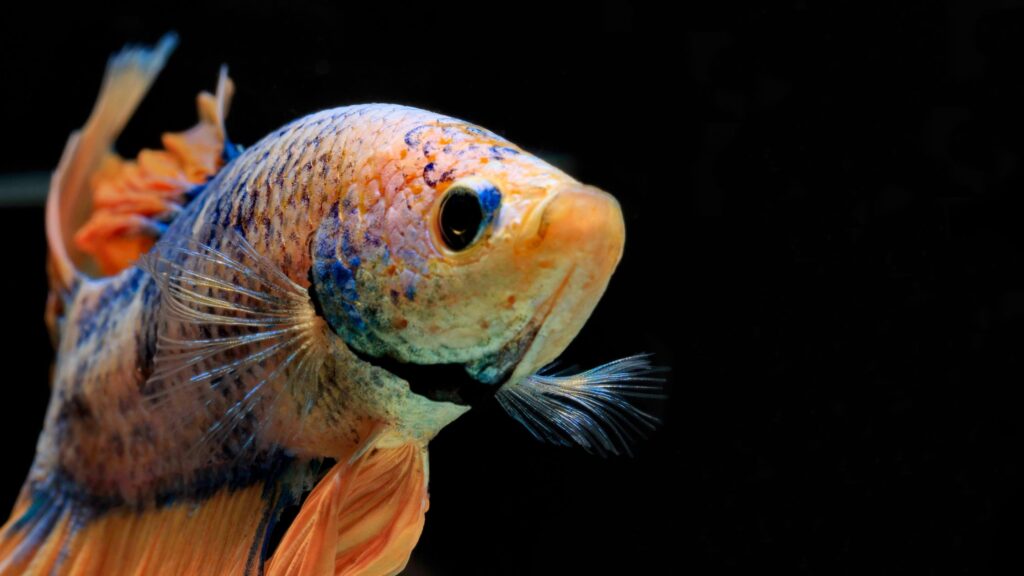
(363, 518)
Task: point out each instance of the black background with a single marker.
(822, 205)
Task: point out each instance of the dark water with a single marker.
(823, 209)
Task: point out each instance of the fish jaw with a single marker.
(581, 229)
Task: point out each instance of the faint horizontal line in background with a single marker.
(29, 188)
(23, 188)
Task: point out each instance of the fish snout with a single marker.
(583, 224)
(579, 237)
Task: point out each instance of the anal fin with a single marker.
(214, 536)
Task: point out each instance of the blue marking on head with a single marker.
(341, 276)
(325, 247)
(501, 152)
(325, 241)
(337, 284)
(490, 201)
(412, 137)
(346, 244)
(410, 292)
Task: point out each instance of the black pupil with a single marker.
(461, 216)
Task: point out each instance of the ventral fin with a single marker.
(234, 332)
(591, 409)
(363, 518)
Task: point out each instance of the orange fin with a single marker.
(363, 518)
(133, 199)
(216, 536)
(128, 77)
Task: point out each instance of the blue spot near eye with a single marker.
(490, 201)
(354, 262)
(410, 292)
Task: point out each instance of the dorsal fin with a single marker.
(132, 200)
(128, 77)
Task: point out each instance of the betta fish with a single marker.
(238, 332)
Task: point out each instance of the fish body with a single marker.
(337, 292)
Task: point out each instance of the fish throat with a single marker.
(451, 382)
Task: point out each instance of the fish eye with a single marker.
(464, 213)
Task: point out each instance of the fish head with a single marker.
(464, 263)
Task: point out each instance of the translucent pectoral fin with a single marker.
(234, 331)
(363, 518)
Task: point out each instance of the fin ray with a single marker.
(363, 518)
(235, 331)
(590, 408)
